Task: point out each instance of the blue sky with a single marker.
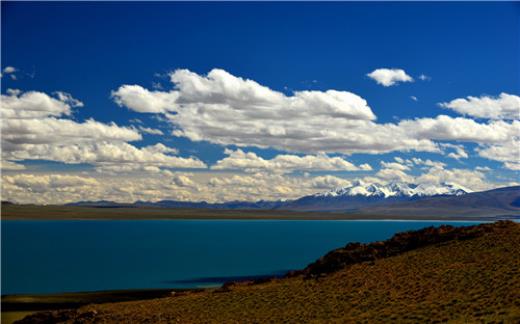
(89, 50)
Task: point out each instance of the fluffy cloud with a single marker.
(328, 182)
(40, 183)
(215, 186)
(8, 165)
(32, 118)
(183, 180)
(505, 106)
(497, 140)
(395, 165)
(218, 187)
(151, 131)
(394, 175)
(68, 98)
(389, 77)
(460, 129)
(108, 155)
(144, 101)
(471, 179)
(394, 171)
(434, 173)
(18, 132)
(407, 164)
(428, 163)
(33, 127)
(224, 109)
(458, 151)
(266, 186)
(229, 110)
(507, 152)
(34, 104)
(59, 188)
(221, 91)
(285, 163)
(9, 69)
(47, 189)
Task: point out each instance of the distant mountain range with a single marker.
(497, 202)
(446, 199)
(395, 189)
(362, 194)
(258, 205)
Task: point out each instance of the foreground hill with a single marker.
(434, 275)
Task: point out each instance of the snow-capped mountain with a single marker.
(361, 194)
(396, 189)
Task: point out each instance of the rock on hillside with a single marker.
(401, 242)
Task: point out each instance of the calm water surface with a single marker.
(70, 256)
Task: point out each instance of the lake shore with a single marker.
(15, 307)
(35, 212)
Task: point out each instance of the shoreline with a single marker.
(439, 220)
(17, 306)
(371, 218)
(33, 212)
(45, 301)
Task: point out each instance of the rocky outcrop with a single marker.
(354, 253)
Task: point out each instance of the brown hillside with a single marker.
(447, 274)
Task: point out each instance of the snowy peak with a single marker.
(445, 188)
(396, 189)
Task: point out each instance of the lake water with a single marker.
(71, 256)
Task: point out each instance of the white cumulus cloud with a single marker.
(224, 109)
(9, 69)
(151, 131)
(507, 152)
(35, 104)
(11, 166)
(35, 126)
(228, 110)
(284, 163)
(458, 151)
(389, 77)
(505, 106)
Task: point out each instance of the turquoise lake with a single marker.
(72, 256)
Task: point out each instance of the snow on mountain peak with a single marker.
(396, 189)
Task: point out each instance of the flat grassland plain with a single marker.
(55, 212)
(446, 274)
